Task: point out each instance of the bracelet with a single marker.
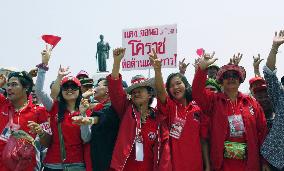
(42, 66)
(41, 135)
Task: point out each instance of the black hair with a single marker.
(188, 90)
(62, 106)
(102, 79)
(25, 79)
(282, 80)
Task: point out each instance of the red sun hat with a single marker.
(70, 79)
(254, 79)
(231, 67)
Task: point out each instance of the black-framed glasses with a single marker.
(74, 87)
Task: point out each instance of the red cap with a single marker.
(82, 72)
(254, 79)
(72, 79)
(259, 88)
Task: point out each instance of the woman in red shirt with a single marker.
(185, 120)
(70, 155)
(238, 125)
(140, 144)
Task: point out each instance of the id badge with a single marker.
(177, 127)
(236, 125)
(6, 132)
(139, 149)
(46, 127)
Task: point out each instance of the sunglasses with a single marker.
(73, 87)
(233, 75)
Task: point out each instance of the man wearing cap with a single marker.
(258, 90)
(82, 74)
(101, 135)
(238, 125)
(17, 113)
(273, 146)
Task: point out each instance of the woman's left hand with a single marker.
(84, 105)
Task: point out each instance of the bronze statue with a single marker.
(102, 54)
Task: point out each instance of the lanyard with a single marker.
(186, 112)
(138, 124)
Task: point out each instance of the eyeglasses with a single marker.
(233, 75)
(73, 87)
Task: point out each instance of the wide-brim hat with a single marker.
(231, 67)
(70, 79)
(140, 81)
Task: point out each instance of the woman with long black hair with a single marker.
(66, 147)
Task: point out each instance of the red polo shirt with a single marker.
(71, 135)
(186, 151)
(30, 113)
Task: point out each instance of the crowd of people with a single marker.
(107, 125)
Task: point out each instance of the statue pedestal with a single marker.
(99, 75)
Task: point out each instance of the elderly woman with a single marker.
(238, 125)
(139, 142)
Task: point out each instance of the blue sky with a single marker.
(226, 27)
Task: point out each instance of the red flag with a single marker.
(51, 39)
(200, 52)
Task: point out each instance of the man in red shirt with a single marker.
(16, 112)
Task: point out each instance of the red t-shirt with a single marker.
(71, 135)
(149, 135)
(30, 113)
(186, 151)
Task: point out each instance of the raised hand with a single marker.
(182, 66)
(3, 80)
(84, 105)
(33, 72)
(118, 54)
(89, 93)
(256, 61)
(45, 54)
(154, 60)
(235, 60)
(206, 60)
(278, 38)
(62, 72)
